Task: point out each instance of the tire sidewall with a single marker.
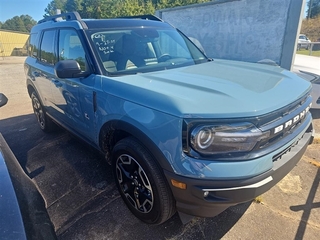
(48, 124)
(125, 148)
(34, 97)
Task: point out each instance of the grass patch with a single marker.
(306, 52)
(258, 199)
(315, 163)
(316, 140)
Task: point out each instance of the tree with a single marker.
(311, 28)
(24, 23)
(133, 7)
(53, 6)
(28, 22)
(160, 4)
(313, 8)
(73, 5)
(96, 8)
(114, 8)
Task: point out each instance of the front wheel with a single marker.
(141, 183)
(44, 121)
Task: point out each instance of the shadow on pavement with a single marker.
(307, 207)
(22, 134)
(80, 193)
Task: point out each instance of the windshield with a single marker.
(136, 50)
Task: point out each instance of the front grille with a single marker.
(280, 154)
(286, 123)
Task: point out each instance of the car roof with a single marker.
(75, 21)
(123, 22)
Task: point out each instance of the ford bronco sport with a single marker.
(182, 132)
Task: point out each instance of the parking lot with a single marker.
(83, 202)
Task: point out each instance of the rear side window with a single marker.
(32, 45)
(47, 54)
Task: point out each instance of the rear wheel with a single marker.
(141, 183)
(299, 47)
(44, 121)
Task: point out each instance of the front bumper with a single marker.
(208, 198)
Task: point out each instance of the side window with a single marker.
(32, 45)
(70, 47)
(47, 54)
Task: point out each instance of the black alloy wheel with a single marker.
(141, 182)
(134, 183)
(44, 121)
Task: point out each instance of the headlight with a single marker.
(226, 138)
(204, 137)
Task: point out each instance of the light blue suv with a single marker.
(182, 132)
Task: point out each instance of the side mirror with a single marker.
(3, 100)
(68, 69)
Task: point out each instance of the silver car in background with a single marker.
(303, 42)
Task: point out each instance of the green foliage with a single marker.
(133, 7)
(28, 22)
(114, 8)
(307, 52)
(53, 6)
(96, 8)
(72, 5)
(24, 23)
(160, 4)
(313, 8)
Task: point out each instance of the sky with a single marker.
(12, 8)
(33, 8)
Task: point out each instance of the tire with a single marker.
(44, 122)
(141, 183)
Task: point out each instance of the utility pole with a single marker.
(310, 7)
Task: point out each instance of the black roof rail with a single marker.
(68, 16)
(146, 17)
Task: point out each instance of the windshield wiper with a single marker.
(119, 74)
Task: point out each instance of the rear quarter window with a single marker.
(33, 45)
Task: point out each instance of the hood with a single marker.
(217, 89)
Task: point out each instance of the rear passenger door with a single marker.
(43, 72)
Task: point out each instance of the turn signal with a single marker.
(177, 184)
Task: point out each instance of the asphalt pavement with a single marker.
(83, 202)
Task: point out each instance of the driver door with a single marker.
(73, 97)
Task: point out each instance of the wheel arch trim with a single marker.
(130, 130)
